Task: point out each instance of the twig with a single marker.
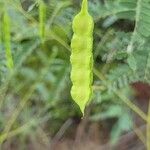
(148, 128)
(122, 96)
(138, 131)
(61, 132)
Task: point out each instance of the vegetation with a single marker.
(35, 38)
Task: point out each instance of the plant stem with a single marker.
(148, 128)
(7, 37)
(140, 135)
(122, 97)
(42, 18)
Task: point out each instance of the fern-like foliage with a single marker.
(136, 66)
(143, 17)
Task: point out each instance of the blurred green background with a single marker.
(35, 102)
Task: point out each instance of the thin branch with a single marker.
(122, 96)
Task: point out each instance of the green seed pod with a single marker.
(81, 57)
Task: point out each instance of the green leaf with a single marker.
(132, 62)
